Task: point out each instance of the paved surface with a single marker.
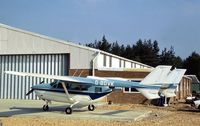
(25, 108)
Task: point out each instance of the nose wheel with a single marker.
(91, 107)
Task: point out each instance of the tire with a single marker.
(45, 108)
(91, 107)
(68, 110)
(199, 107)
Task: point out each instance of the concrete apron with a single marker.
(33, 108)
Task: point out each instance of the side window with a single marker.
(59, 85)
(126, 89)
(98, 89)
(130, 90)
(55, 86)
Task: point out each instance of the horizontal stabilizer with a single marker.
(163, 75)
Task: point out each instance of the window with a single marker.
(120, 63)
(124, 64)
(104, 60)
(60, 85)
(134, 90)
(110, 62)
(126, 89)
(98, 89)
(130, 90)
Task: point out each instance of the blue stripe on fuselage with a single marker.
(93, 95)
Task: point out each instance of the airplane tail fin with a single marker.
(162, 80)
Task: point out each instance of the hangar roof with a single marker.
(194, 78)
(52, 47)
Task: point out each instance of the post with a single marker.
(165, 105)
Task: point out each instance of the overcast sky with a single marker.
(171, 22)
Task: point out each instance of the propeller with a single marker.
(41, 82)
(30, 91)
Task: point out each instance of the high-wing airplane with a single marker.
(85, 91)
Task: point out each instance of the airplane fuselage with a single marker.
(84, 94)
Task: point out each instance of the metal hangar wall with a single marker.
(15, 87)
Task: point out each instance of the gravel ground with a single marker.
(175, 115)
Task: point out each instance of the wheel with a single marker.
(91, 107)
(199, 107)
(46, 108)
(68, 110)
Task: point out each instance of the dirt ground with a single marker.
(176, 115)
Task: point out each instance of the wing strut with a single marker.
(66, 92)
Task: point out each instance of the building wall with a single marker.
(15, 87)
(123, 74)
(184, 88)
(17, 41)
(130, 98)
(101, 73)
(106, 61)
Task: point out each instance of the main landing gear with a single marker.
(91, 107)
(69, 109)
(46, 106)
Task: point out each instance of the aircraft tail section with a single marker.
(163, 75)
(163, 80)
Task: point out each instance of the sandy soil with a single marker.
(175, 115)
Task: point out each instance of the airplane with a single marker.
(85, 91)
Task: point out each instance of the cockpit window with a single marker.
(69, 86)
(59, 85)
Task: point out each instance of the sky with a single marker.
(171, 22)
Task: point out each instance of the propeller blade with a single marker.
(29, 92)
(41, 82)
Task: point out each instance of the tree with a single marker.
(146, 52)
(102, 45)
(115, 48)
(192, 64)
(168, 57)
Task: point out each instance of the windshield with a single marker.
(53, 83)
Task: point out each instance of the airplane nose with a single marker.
(40, 86)
(34, 87)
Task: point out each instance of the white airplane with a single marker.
(85, 91)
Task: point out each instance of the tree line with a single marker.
(148, 52)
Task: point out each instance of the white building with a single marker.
(25, 51)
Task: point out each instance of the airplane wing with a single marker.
(56, 77)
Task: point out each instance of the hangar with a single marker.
(25, 51)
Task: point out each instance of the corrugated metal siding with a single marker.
(15, 87)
